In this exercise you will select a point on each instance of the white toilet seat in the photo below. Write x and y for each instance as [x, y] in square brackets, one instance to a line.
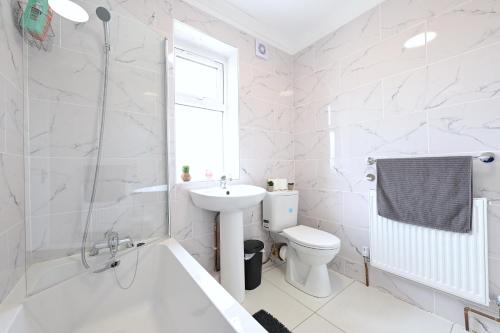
[312, 238]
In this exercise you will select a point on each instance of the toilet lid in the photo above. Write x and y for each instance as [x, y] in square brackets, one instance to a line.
[311, 237]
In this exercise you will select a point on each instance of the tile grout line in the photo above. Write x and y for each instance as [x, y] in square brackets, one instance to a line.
[309, 316]
[343, 290]
[313, 312]
[334, 297]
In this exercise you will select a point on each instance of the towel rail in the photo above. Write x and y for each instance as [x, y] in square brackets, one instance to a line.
[484, 157]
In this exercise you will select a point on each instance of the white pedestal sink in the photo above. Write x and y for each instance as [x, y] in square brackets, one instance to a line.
[230, 202]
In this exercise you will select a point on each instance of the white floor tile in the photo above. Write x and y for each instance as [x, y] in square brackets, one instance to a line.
[282, 306]
[271, 265]
[316, 324]
[277, 277]
[359, 309]
[458, 329]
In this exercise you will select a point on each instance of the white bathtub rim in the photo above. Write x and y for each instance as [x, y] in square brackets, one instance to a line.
[239, 319]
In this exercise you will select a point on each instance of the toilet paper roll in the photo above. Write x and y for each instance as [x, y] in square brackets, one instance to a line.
[282, 252]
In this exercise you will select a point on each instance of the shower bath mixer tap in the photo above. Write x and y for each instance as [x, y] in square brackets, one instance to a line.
[112, 242]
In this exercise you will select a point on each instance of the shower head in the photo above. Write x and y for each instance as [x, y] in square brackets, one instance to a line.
[103, 14]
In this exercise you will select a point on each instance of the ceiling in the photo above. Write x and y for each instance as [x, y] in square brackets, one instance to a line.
[290, 25]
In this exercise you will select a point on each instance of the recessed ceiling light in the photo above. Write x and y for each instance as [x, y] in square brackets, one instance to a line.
[69, 10]
[420, 39]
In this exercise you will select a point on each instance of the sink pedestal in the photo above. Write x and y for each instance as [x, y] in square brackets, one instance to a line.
[230, 202]
[232, 269]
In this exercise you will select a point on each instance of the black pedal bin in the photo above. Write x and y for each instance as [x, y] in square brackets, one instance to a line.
[253, 263]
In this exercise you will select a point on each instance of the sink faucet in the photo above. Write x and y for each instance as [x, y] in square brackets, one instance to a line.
[111, 241]
[223, 181]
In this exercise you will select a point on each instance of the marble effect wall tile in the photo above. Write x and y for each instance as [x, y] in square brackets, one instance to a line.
[355, 106]
[12, 186]
[466, 27]
[13, 119]
[74, 78]
[11, 191]
[406, 290]
[355, 209]
[138, 46]
[11, 66]
[202, 249]
[468, 77]
[284, 169]
[12, 230]
[405, 93]
[147, 141]
[314, 145]
[132, 42]
[255, 172]
[306, 174]
[397, 102]
[357, 35]
[156, 14]
[304, 117]
[383, 59]
[256, 144]
[52, 133]
[318, 87]
[3, 114]
[465, 128]
[270, 86]
[321, 204]
[60, 185]
[388, 137]
[303, 63]
[283, 118]
[257, 113]
[398, 15]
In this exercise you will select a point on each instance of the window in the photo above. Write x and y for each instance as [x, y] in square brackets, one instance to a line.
[199, 81]
[206, 108]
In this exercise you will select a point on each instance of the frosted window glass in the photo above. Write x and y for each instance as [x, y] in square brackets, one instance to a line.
[197, 79]
[199, 141]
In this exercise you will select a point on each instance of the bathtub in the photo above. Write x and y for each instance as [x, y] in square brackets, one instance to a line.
[171, 293]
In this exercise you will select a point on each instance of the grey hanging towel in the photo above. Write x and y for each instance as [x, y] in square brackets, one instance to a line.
[432, 192]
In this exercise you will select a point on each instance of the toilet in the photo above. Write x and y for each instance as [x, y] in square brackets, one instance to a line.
[308, 251]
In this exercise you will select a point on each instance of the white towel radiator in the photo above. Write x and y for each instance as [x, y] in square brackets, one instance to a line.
[451, 262]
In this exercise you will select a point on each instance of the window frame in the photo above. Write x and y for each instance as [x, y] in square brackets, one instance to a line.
[208, 60]
[228, 67]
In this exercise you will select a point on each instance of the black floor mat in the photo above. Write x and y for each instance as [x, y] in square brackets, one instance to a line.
[271, 324]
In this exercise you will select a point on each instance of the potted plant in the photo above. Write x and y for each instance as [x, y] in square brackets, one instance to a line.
[270, 186]
[185, 173]
[291, 186]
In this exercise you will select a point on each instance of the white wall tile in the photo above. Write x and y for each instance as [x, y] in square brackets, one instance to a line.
[465, 128]
[357, 35]
[405, 93]
[469, 26]
[383, 59]
[468, 77]
[398, 15]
